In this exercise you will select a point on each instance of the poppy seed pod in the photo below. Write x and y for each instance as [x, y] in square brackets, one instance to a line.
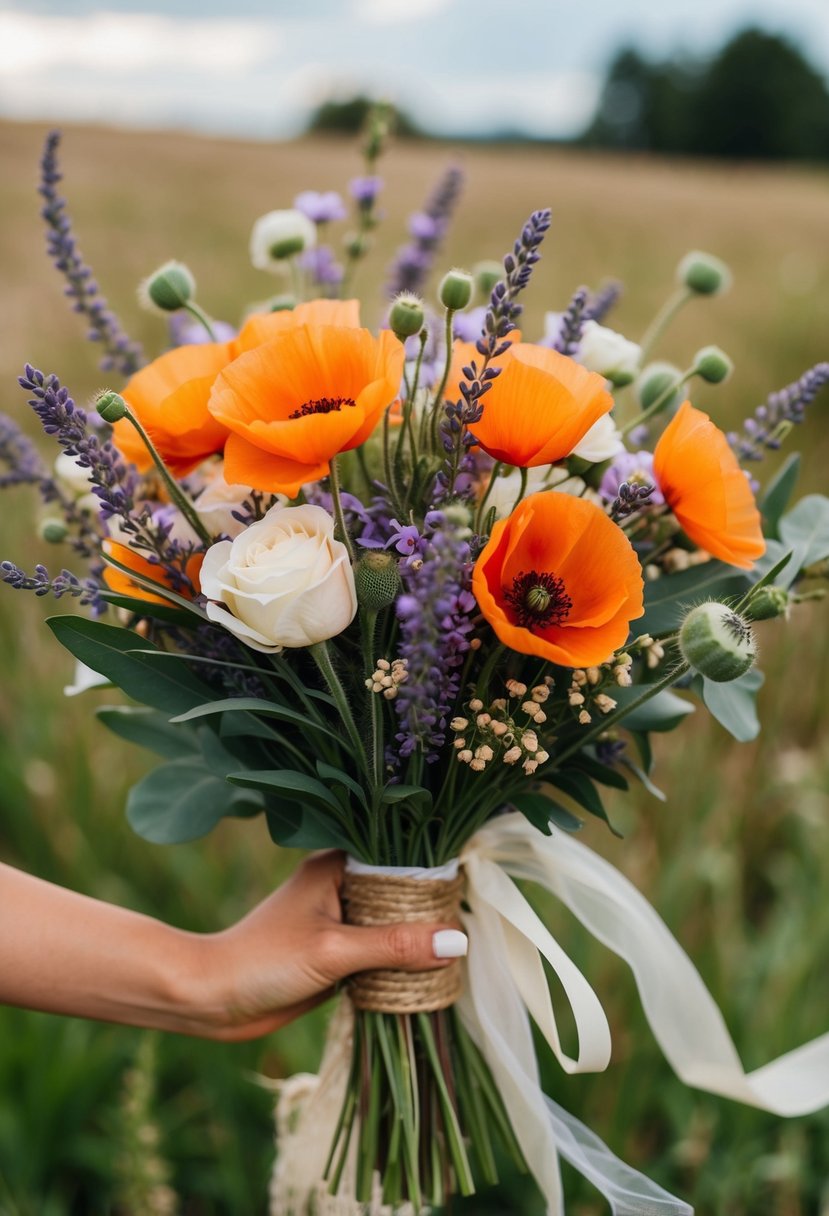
[717, 642]
[111, 406]
[768, 602]
[406, 316]
[169, 288]
[377, 580]
[712, 365]
[704, 274]
[455, 290]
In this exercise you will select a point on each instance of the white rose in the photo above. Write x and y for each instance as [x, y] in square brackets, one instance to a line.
[601, 442]
[284, 581]
[603, 350]
[73, 475]
[279, 235]
[217, 502]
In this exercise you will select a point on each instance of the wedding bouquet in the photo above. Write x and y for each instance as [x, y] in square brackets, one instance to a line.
[418, 594]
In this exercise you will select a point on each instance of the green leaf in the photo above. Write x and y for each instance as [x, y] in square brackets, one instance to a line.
[602, 773]
[290, 782]
[769, 569]
[542, 811]
[642, 776]
[256, 705]
[335, 776]
[668, 599]
[123, 657]
[643, 746]
[734, 704]
[295, 826]
[406, 793]
[149, 728]
[662, 712]
[805, 530]
[778, 493]
[158, 612]
[581, 789]
[182, 801]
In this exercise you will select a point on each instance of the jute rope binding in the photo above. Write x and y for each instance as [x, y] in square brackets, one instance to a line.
[380, 899]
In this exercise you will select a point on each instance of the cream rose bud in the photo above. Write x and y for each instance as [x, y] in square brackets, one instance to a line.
[601, 442]
[603, 350]
[280, 235]
[284, 581]
[217, 502]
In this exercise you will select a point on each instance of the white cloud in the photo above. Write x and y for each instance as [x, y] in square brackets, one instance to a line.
[130, 43]
[395, 12]
[543, 104]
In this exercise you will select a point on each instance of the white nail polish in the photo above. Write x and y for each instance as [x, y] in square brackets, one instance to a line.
[450, 943]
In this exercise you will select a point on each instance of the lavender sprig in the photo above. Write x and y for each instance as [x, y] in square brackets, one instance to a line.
[631, 497]
[65, 583]
[435, 613]
[763, 431]
[121, 354]
[427, 229]
[571, 330]
[19, 455]
[602, 301]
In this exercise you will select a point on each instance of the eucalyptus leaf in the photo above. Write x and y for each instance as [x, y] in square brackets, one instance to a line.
[257, 705]
[734, 704]
[125, 658]
[668, 599]
[542, 811]
[581, 789]
[183, 801]
[151, 729]
[805, 530]
[290, 782]
[602, 773]
[662, 712]
[642, 776]
[778, 494]
[303, 827]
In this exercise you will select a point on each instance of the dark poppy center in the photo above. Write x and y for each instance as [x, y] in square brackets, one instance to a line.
[323, 405]
[538, 599]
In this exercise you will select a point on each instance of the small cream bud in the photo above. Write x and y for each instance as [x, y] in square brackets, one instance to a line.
[514, 754]
[458, 724]
[476, 704]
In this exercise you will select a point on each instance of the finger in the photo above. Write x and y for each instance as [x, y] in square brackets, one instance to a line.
[400, 947]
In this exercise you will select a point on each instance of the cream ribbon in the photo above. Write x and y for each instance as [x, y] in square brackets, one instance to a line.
[506, 986]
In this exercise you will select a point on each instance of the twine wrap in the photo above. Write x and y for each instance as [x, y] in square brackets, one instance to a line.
[372, 898]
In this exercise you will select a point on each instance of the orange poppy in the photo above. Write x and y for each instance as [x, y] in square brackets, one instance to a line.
[539, 407]
[122, 584]
[170, 395]
[560, 580]
[703, 484]
[169, 398]
[293, 403]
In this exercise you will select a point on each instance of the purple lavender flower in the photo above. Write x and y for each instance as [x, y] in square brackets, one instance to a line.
[322, 266]
[364, 190]
[435, 614]
[19, 455]
[321, 208]
[427, 228]
[64, 583]
[632, 469]
[120, 353]
[184, 331]
[760, 432]
[571, 327]
[468, 326]
[600, 302]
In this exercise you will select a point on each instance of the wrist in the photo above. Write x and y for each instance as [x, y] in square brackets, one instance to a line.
[195, 984]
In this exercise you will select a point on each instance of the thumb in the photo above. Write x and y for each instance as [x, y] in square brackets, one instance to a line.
[409, 946]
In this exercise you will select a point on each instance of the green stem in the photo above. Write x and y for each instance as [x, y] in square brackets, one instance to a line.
[659, 403]
[494, 474]
[455, 1145]
[437, 401]
[611, 720]
[334, 483]
[320, 655]
[368, 623]
[202, 317]
[523, 489]
[177, 496]
[663, 319]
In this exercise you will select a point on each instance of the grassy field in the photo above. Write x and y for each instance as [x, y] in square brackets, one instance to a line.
[737, 860]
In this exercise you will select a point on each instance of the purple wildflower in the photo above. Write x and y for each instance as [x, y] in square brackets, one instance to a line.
[65, 583]
[19, 455]
[427, 228]
[184, 331]
[600, 302]
[761, 432]
[120, 353]
[631, 469]
[571, 327]
[468, 326]
[322, 266]
[435, 614]
[364, 190]
[321, 208]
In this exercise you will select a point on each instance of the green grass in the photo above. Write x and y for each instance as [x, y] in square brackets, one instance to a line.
[737, 860]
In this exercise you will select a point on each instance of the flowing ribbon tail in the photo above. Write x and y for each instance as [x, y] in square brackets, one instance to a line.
[681, 1011]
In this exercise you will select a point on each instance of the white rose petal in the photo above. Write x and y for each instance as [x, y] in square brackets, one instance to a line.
[601, 442]
[72, 475]
[603, 350]
[217, 502]
[284, 581]
[277, 228]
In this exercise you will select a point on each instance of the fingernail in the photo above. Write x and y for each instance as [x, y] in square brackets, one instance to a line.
[449, 943]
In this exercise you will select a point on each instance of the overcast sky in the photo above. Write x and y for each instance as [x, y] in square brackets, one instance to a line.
[256, 67]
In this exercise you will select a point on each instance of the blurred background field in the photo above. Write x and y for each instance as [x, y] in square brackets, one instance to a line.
[736, 860]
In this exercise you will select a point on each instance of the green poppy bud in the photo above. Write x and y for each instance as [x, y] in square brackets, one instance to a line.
[168, 288]
[406, 315]
[768, 602]
[487, 274]
[110, 405]
[704, 274]
[655, 380]
[717, 642]
[377, 580]
[455, 291]
[712, 364]
[53, 531]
